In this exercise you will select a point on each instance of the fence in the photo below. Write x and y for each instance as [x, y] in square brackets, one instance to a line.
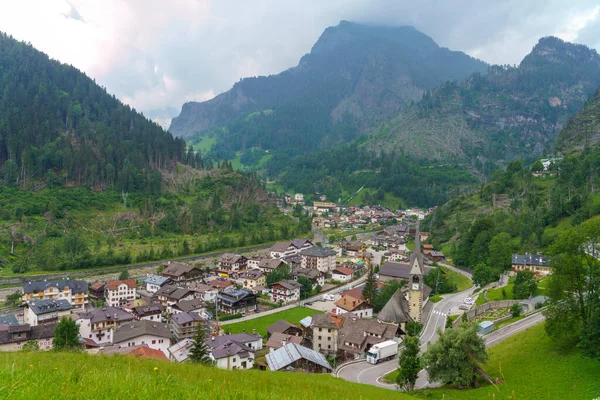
[493, 305]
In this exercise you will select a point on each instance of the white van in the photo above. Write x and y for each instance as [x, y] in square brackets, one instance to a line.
[329, 297]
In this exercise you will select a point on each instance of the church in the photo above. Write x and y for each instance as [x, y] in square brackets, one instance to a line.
[408, 302]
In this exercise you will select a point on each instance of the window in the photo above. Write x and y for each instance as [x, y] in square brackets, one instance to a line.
[160, 341]
[329, 346]
[154, 342]
[319, 337]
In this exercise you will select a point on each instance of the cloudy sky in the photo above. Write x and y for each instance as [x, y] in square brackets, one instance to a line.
[157, 54]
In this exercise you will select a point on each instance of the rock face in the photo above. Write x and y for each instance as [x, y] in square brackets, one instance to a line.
[508, 113]
[583, 130]
[356, 76]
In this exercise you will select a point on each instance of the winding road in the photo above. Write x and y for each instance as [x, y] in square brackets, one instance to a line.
[363, 372]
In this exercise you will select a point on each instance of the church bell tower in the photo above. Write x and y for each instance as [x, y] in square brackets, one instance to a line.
[415, 292]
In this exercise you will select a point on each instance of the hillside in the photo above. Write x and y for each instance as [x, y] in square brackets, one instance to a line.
[355, 77]
[508, 113]
[58, 127]
[583, 130]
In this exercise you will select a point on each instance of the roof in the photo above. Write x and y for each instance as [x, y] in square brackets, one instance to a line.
[317, 251]
[293, 352]
[428, 246]
[277, 338]
[142, 327]
[44, 331]
[280, 247]
[280, 326]
[356, 293]
[176, 269]
[46, 306]
[9, 319]
[180, 350]
[310, 273]
[106, 314]
[327, 321]
[529, 259]
[343, 271]
[220, 284]
[200, 287]
[114, 285]
[39, 286]
[395, 310]
[235, 295]
[173, 292]
[149, 309]
[270, 263]
[298, 243]
[216, 341]
[398, 270]
[486, 324]
[288, 284]
[306, 322]
[189, 305]
[156, 280]
[251, 274]
[350, 303]
[231, 258]
[97, 286]
[185, 317]
[437, 254]
[230, 348]
[363, 332]
[140, 351]
[293, 259]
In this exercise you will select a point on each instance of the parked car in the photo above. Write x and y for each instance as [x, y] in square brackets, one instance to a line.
[329, 297]
[464, 307]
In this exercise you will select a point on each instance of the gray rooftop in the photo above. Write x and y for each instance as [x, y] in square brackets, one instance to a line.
[293, 352]
[398, 270]
[288, 284]
[44, 331]
[172, 292]
[185, 317]
[47, 306]
[251, 274]
[529, 259]
[317, 251]
[136, 328]
[76, 286]
[156, 280]
[106, 314]
[8, 319]
[189, 305]
[395, 310]
[244, 338]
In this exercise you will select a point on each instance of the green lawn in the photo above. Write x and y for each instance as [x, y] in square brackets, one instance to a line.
[51, 375]
[435, 298]
[391, 377]
[205, 144]
[293, 315]
[532, 369]
[410, 245]
[496, 294]
[461, 281]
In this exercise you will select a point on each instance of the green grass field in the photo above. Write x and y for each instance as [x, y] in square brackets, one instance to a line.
[293, 315]
[205, 144]
[50, 375]
[532, 369]
[461, 281]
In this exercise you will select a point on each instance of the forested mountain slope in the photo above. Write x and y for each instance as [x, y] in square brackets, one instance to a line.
[59, 126]
[583, 130]
[355, 77]
[508, 113]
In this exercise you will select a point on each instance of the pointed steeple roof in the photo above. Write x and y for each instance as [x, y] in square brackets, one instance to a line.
[416, 257]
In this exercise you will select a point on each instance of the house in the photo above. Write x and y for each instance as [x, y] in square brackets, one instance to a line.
[182, 274]
[74, 291]
[323, 207]
[293, 357]
[396, 271]
[318, 258]
[278, 340]
[253, 278]
[47, 311]
[537, 264]
[316, 277]
[13, 337]
[220, 284]
[427, 249]
[285, 327]
[293, 261]
[285, 291]
[342, 274]
[352, 248]
[9, 319]
[234, 351]
[99, 324]
[153, 283]
[270, 265]
[180, 351]
[326, 329]
[97, 291]
[436, 256]
[356, 306]
[254, 259]
[192, 305]
[150, 312]
[234, 301]
[358, 335]
[155, 335]
[232, 262]
[171, 294]
[118, 293]
[395, 255]
[185, 325]
[285, 249]
[204, 292]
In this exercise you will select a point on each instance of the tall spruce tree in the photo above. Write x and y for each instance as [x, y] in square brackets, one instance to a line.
[199, 353]
[370, 289]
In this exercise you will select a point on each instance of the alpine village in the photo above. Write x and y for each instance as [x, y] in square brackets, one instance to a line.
[388, 219]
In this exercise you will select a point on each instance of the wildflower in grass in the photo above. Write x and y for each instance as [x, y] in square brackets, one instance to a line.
[156, 368]
[31, 365]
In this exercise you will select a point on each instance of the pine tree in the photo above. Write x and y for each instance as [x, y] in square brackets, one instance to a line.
[409, 363]
[199, 353]
[370, 289]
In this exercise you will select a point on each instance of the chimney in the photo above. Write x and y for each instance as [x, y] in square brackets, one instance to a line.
[213, 338]
[283, 342]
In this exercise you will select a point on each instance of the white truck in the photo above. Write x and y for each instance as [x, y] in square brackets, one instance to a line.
[382, 351]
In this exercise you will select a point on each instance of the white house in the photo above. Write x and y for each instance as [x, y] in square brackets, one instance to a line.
[38, 312]
[74, 291]
[285, 291]
[155, 335]
[99, 325]
[154, 282]
[342, 274]
[318, 258]
[234, 351]
[118, 293]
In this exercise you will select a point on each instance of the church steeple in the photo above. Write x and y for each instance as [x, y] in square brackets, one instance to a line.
[415, 295]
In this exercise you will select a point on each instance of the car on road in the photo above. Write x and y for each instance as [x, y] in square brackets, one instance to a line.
[328, 297]
[469, 300]
[308, 303]
[465, 307]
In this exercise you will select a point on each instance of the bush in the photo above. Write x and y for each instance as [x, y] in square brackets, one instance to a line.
[516, 310]
[229, 317]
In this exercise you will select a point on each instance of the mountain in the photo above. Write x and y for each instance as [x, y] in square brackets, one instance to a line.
[355, 77]
[583, 130]
[57, 126]
[508, 113]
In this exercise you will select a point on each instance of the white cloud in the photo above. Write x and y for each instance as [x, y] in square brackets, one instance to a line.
[155, 54]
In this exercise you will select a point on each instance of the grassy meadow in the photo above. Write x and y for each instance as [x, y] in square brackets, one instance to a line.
[292, 315]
